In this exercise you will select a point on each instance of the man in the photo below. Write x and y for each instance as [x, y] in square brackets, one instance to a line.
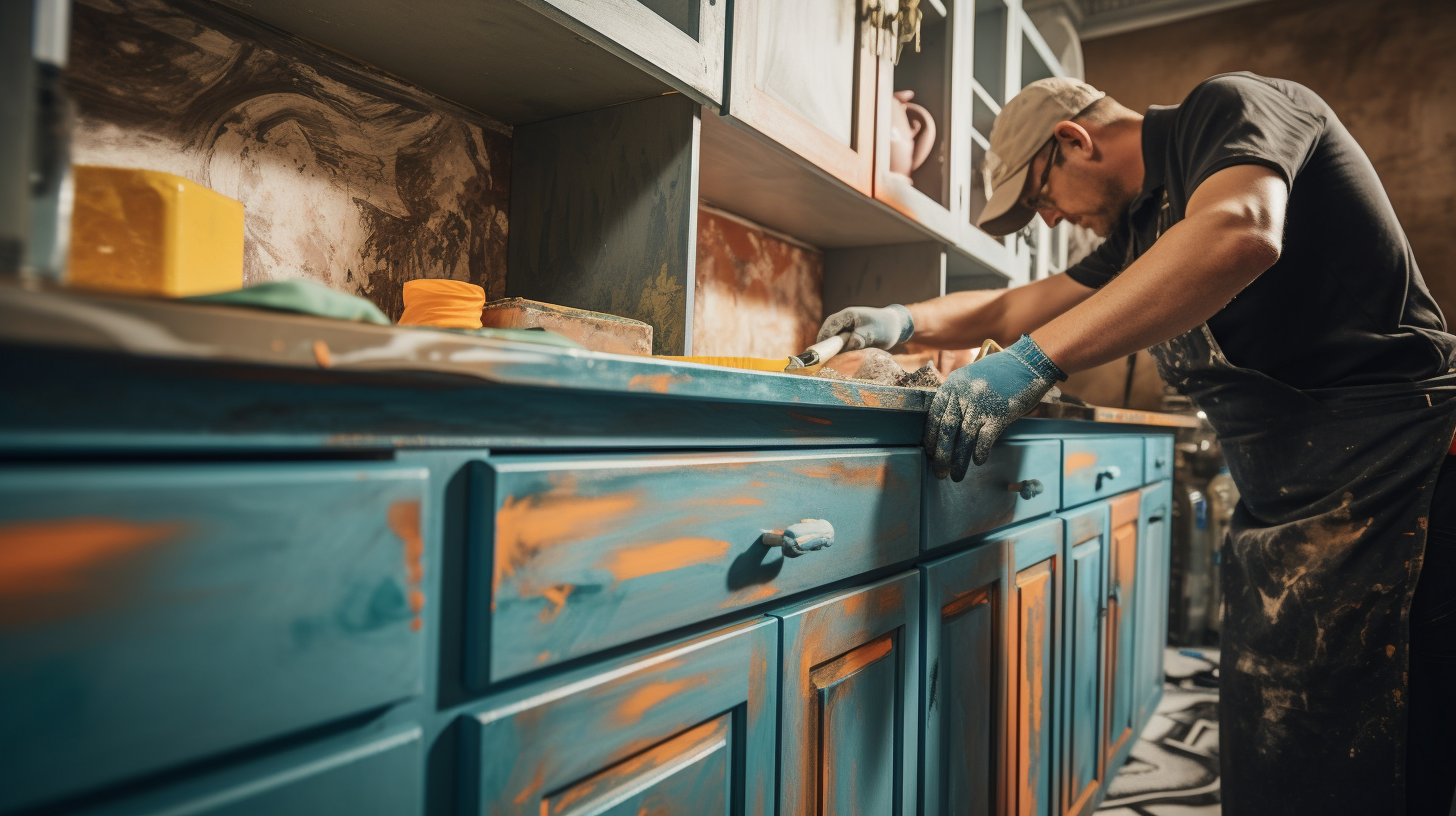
[1251, 245]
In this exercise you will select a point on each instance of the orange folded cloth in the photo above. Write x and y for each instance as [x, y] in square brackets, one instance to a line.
[447, 304]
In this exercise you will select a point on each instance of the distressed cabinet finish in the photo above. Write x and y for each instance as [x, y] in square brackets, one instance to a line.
[577, 554]
[156, 615]
[1158, 458]
[1097, 467]
[847, 739]
[803, 74]
[1155, 536]
[1034, 670]
[1020, 480]
[1081, 713]
[1120, 716]
[685, 729]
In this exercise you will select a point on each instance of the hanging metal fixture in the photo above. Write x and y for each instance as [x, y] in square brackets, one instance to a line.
[894, 23]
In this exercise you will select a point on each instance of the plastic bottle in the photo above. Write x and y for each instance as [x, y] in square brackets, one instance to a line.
[1223, 497]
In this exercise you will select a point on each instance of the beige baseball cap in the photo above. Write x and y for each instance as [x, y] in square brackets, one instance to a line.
[1023, 128]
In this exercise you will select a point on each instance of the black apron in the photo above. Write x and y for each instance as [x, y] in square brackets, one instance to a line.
[1321, 561]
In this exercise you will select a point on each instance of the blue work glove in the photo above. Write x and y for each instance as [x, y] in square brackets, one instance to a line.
[869, 327]
[976, 403]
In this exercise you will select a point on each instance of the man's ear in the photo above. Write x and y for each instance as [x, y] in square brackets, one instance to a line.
[1075, 139]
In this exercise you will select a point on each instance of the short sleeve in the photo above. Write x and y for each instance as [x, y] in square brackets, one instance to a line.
[1235, 119]
[1103, 263]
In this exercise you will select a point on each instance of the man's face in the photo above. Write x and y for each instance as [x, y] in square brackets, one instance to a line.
[1082, 192]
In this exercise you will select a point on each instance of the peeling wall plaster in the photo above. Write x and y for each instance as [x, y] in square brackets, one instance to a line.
[348, 177]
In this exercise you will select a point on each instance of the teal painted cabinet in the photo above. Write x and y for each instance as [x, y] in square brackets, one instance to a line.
[152, 616]
[685, 729]
[1097, 467]
[1034, 668]
[1155, 505]
[1120, 722]
[1020, 480]
[849, 684]
[1082, 706]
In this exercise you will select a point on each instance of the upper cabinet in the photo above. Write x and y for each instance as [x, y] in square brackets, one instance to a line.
[804, 75]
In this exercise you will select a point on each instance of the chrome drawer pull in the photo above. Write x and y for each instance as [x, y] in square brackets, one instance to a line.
[1029, 489]
[806, 536]
[1111, 473]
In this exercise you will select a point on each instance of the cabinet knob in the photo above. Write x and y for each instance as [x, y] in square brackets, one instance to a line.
[806, 536]
[1110, 474]
[1029, 489]
[1160, 462]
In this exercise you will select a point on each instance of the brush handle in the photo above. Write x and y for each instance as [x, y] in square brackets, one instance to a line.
[822, 350]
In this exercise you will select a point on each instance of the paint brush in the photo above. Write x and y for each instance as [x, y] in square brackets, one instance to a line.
[818, 353]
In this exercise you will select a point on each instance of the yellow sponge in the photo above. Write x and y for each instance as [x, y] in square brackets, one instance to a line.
[153, 233]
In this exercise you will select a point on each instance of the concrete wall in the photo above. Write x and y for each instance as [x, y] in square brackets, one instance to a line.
[1385, 66]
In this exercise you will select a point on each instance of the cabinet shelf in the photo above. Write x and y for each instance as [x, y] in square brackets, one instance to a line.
[522, 61]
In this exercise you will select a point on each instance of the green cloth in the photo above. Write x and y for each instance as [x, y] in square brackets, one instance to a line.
[301, 296]
[307, 297]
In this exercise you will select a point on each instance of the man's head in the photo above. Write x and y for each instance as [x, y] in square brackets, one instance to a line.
[1065, 150]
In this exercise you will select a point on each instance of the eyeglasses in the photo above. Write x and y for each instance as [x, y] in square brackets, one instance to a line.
[1040, 200]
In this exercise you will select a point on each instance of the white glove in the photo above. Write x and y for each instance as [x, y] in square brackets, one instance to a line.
[870, 327]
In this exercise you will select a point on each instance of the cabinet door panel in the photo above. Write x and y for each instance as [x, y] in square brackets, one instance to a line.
[850, 660]
[1154, 534]
[1122, 611]
[1082, 703]
[688, 728]
[803, 74]
[1034, 665]
[153, 615]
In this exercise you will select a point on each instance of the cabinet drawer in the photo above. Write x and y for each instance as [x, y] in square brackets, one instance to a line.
[686, 729]
[1158, 458]
[577, 554]
[1094, 467]
[1019, 481]
[154, 615]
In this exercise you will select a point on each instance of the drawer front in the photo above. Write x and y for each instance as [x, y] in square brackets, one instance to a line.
[381, 778]
[1019, 481]
[579, 554]
[1158, 458]
[155, 615]
[686, 729]
[1099, 466]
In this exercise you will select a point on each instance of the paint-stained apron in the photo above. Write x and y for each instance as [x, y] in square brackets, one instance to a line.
[1319, 568]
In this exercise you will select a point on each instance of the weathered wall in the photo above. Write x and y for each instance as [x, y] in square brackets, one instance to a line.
[348, 177]
[1385, 66]
[756, 295]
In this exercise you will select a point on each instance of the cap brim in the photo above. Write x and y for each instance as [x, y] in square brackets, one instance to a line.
[1004, 213]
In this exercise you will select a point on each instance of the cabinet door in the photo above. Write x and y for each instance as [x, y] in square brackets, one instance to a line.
[1122, 611]
[685, 729]
[803, 73]
[1034, 639]
[967, 683]
[1154, 533]
[848, 728]
[1082, 677]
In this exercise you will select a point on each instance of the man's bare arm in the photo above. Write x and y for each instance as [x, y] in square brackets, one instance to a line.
[1231, 233]
[965, 319]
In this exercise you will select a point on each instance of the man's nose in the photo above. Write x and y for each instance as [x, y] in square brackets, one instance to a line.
[1051, 217]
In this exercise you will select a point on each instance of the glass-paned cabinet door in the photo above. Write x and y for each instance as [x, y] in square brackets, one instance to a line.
[803, 73]
[923, 100]
[989, 80]
[1042, 251]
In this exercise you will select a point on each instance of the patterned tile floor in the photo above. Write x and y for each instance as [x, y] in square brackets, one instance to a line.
[1173, 769]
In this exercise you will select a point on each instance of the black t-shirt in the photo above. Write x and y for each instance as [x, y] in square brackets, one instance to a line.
[1345, 304]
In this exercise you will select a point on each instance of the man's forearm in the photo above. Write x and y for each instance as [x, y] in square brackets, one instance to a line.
[1190, 273]
[966, 319]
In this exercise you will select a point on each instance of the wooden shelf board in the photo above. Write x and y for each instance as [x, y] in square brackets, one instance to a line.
[499, 57]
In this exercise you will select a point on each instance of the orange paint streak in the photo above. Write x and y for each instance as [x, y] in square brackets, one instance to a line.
[615, 778]
[656, 383]
[745, 501]
[557, 596]
[666, 556]
[852, 662]
[873, 475]
[43, 557]
[639, 702]
[870, 398]
[322, 355]
[807, 418]
[1078, 461]
[970, 600]
[533, 787]
[526, 526]
[749, 596]
[404, 520]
